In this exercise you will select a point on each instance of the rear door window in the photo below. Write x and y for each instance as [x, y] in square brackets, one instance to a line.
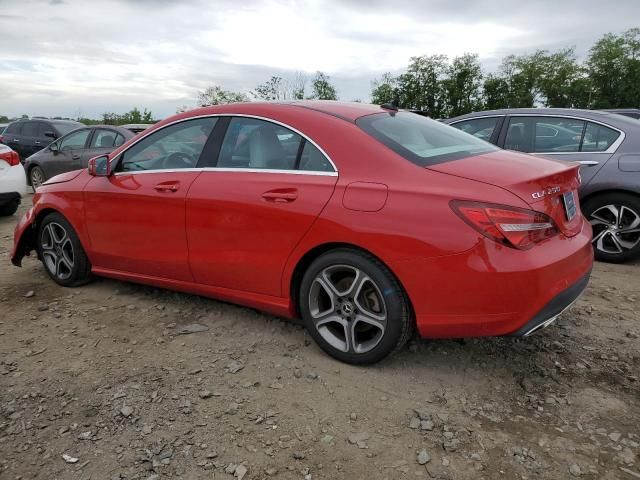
[598, 138]
[544, 134]
[30, 129]
[253, 143]
[104, 138]
[482, 128]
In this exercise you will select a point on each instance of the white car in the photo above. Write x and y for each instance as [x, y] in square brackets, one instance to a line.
[13, 181]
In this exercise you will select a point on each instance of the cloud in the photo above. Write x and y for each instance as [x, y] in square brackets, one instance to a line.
[90, 57]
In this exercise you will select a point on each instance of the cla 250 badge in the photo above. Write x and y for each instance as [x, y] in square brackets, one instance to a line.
[545, 192]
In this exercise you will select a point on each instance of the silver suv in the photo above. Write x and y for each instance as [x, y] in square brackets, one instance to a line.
[607, 146]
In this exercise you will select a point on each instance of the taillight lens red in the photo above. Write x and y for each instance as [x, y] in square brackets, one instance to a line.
[12, 158]
[515, 227]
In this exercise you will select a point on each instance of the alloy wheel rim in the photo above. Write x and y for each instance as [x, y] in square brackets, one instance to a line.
[616, 228]
[36, 177]
[347, 309]
[57, 250]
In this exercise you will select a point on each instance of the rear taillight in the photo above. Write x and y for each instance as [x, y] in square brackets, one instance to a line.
[1, 139]
[12, 158]
[515, 227]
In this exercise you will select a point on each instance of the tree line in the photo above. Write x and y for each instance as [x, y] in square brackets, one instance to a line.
[608, 78]
[445, 87]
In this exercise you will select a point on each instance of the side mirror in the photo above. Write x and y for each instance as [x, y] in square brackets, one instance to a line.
[99, 166]
[54, 148]
[50, 134]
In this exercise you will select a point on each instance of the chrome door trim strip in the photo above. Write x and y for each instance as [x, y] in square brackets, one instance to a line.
[239, 170]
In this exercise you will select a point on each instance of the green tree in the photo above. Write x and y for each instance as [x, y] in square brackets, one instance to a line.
[321, 88]
[614, 69]
[495, 92]
[274, 89]
[421, 88]
[462, 85]
[215, 95]
[562, 82]
[384, 89]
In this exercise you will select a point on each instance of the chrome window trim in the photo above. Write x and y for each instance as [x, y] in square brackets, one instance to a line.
[256, 170]
[474, 118]
[225, 169]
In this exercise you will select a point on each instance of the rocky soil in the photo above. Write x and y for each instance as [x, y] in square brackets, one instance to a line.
[119, 381]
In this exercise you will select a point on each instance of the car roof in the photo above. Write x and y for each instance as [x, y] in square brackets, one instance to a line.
[598, 115]
[349, 111]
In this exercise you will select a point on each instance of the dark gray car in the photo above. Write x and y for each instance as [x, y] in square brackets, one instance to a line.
[73, 151]
[607, 146]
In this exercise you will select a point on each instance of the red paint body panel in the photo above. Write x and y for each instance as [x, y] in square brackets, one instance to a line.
[240, 240]
[218, 235]
[135, 228]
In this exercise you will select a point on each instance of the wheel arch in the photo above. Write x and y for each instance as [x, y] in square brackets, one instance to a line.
[307, 259]
[610, 191]
[28, 240]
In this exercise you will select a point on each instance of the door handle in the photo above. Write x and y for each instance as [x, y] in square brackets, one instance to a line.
[588, 163]
[75, 157]
[38, 142]
[167, 187]
[285, 195]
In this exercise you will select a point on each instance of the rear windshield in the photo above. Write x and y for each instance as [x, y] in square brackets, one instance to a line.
[66, 127]
[421, 140]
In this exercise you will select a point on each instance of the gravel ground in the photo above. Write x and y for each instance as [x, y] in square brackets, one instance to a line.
[119, 381]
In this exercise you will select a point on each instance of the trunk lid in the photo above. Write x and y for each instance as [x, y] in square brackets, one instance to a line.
[548, 186]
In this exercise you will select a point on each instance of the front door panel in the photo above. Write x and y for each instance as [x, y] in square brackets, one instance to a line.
[136, 222]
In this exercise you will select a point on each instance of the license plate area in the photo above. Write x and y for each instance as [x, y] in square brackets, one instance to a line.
[570, 207]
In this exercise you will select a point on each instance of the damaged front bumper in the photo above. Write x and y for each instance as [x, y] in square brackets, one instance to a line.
[24, 238]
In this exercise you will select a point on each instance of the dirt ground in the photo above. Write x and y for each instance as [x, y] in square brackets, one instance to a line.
[106, 382]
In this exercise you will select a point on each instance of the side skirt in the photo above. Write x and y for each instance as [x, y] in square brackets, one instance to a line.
[281, 307]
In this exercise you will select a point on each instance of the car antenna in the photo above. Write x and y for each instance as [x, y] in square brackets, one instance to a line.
[392, 105]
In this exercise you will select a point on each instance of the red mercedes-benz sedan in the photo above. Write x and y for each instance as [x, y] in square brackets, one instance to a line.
[364, 221]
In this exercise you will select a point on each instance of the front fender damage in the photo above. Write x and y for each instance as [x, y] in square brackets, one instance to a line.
[24, 238]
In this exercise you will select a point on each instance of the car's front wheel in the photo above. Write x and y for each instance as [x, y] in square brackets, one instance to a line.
[36, 177]
[354, 307]
[615, 218]
[61, 253]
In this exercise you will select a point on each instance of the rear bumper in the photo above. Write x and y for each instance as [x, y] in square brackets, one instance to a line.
[492, 290]
[13, 181]
[554, 308]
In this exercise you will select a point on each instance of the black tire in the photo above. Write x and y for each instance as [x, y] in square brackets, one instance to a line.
[398, 323]
[68, 274]
[36, 177]
[605, 250]
[9, 209]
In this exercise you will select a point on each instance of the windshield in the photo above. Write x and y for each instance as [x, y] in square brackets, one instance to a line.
[66, 127]
[421, 140]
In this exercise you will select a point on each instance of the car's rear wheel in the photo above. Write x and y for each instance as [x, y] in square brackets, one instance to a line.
[36, 177]
[59, 249]
[354, 307]
[615, 218]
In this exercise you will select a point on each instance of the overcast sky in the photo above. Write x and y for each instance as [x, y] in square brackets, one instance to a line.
[71, 57]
